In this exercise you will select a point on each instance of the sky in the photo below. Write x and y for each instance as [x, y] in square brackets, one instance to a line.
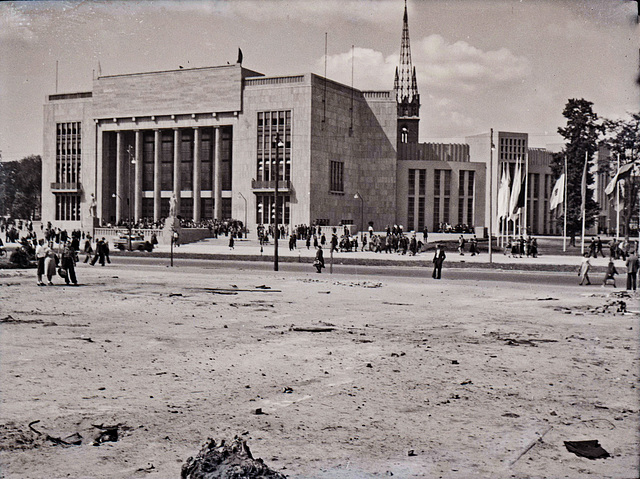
[510, 65]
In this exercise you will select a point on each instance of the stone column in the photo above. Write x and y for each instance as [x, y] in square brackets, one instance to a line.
[99, 176]
[156, 175]
[137, 205]
[196, 175]
[217, 178]
[176, 167]
[119, 177]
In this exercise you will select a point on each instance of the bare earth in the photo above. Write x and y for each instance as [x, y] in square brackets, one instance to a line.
[351, 374]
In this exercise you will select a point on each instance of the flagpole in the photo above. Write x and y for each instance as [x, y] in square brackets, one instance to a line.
[564, 229]
[526, 191]
[491, 148]
[584, 200]
[618, 204]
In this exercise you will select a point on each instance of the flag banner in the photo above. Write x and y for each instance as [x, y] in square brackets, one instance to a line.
[557, 195]
[515, 192]
[503, 194]
[622, 173]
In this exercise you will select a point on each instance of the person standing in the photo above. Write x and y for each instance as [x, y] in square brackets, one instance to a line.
[632, 270]
[318, 263]
[438, 260]
[69, 263]
[49, 263]
[584, 270]
[231, 241]
[41, 254]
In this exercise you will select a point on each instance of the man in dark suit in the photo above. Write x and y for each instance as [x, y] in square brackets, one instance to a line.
[438, 259]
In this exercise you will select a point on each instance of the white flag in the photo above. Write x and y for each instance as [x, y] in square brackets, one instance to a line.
[503, 194]
[515, 193]
[557, 195]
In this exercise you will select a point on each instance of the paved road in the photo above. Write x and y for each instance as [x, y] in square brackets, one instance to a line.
[371, 272]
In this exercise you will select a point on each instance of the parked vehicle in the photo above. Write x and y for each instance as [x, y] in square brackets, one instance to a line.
[138, 243]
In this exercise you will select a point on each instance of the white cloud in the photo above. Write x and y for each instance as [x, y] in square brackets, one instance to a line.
[460, 66]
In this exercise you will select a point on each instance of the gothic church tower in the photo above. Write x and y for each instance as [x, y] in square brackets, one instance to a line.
[406, 88]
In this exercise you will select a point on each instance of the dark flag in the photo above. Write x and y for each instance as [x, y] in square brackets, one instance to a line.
[239, 56]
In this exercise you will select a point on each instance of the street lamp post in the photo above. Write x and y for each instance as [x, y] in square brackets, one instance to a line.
[132, 161]
[358, 196]
[278, 144]
[245, 213]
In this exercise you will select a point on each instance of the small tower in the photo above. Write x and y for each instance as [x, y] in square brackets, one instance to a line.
[406, 88]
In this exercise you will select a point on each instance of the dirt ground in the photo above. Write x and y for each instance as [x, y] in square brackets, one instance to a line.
[323, 376]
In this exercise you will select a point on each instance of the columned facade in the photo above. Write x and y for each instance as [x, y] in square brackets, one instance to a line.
[142, 168]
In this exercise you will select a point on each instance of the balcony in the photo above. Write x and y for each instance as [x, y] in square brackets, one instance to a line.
[75, 187]
[269, 186]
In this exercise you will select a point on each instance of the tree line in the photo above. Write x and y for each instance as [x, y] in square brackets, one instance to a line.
[584, 134]
[21, 188]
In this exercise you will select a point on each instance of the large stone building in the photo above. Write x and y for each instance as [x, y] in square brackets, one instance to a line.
[208, 136]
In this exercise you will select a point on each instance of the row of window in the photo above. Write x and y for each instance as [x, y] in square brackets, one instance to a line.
[273, 125]
[266, 210]
[68, 152]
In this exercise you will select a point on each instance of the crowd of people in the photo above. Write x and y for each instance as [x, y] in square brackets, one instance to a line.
[56, 252]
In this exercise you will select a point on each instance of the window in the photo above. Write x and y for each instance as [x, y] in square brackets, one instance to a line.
[336, 177]
[417, 180]
[270, 125]
[68, 207]
[441, 197]
[68, 152]
[265, 210]
[466, 180]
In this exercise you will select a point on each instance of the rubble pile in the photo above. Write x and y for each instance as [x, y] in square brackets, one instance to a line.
[227, 461]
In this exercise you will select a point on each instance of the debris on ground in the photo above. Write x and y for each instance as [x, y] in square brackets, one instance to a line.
[312, 329]
[11, 320]
[227, 461]
[74, 439]
[589, 449]
[107, 434]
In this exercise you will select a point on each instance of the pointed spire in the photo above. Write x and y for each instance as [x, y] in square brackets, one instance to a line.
[406, 86]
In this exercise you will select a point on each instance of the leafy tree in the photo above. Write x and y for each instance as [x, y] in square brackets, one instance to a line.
[581, 134]
[622, 138]
[21, 187]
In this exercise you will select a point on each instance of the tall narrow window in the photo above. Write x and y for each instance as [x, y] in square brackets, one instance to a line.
[68, 170]
[336, 177]
[270, 125]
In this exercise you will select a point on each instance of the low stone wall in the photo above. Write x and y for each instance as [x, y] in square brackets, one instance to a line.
[186, 235]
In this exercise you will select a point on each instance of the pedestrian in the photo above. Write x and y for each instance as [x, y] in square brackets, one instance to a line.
[41, 254]
[69, 263]
[50, 263]
[88, 249]
[231, 242]
[584, 270]
[632, 270]
[438, 260]
[473, 247]
[610, 274]
[461, 242]
[318, 262]
[599, 247]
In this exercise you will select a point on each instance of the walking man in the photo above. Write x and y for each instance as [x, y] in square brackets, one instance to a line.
[584, 270]
[438, 259]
